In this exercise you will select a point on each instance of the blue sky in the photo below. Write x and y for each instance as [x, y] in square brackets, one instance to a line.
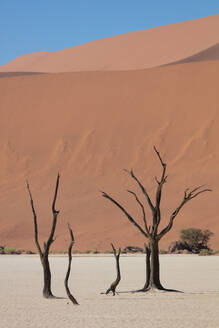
[35, 25]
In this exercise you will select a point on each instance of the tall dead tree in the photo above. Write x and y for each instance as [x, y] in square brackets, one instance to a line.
[113, 286]
[70, 296]
[44, 252]
[151, 232]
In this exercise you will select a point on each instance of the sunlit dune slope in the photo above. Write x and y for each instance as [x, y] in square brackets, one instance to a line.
[92, 125]
[130, 51]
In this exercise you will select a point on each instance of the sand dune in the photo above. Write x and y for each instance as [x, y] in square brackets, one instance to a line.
[91, 125]
[211, 53]
[10, 74]
[131, 51]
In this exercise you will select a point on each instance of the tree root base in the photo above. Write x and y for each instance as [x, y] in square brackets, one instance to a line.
[156, 289]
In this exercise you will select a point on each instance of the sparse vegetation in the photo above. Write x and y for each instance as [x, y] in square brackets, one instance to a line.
[163, 251]
[76, 251]
[204, 252]
[107, 251]
[88, 251]
[192, 240]
[195, 239]
[14, 251]
[10, 251]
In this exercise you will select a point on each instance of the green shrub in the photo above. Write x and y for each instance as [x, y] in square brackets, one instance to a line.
[163, 251]
[12, 251]
[204, 252]
[88, 251]
[75, 251]
[185, 251]
[96, 251]
[195, 239]
[28, 252]
[107, 252]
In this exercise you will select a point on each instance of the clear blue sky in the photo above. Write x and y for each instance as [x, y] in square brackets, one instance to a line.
[35, 25]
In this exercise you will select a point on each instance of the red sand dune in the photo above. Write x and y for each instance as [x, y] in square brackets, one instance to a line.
[131, 51]
[91, 125]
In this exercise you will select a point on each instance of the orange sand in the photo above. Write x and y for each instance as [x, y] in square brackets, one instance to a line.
[91, 125]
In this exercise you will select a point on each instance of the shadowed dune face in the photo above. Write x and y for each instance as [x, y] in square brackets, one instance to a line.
[13, 74]
[211, 53]
[131, 51]
[91, 125]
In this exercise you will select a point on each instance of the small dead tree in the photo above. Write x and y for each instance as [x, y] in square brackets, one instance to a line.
[113, 286]
[70, 296]
[44, 252]
[151, 232]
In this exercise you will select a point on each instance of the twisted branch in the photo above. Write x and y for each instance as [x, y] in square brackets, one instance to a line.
[143, 211]
[34, 220]
[188, 195]
[55, 215]
[113, 286]
[104, 194]
[131, 173]
[72, 241]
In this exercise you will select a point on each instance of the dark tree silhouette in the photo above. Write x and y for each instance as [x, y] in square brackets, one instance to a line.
[148, 267]
[151, 232]
[44, 252]
[113, 286]
[70, 296]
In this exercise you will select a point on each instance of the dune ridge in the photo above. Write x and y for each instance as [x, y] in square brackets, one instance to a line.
[136, 50]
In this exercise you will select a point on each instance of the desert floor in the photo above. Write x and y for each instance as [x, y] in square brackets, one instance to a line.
[21, 303]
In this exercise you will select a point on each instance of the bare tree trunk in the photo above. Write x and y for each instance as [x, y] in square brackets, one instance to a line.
[44, 253]
[70, 296]
[154, 282]
[47, 293]
[148, 267]
[113, 286]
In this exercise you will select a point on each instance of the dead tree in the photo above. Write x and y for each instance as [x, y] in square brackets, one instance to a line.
[113, 286]
[151, 232]
[70, 296]
[148, 267]
[44, 252]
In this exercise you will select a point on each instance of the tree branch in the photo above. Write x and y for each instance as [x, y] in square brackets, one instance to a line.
[143, 211]
[188, 195]
[34, 220]
[72, 241]
[159, 191]
[55, 215]
[131, 173]
[104, 194]
[113, 286]
[55, 195]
